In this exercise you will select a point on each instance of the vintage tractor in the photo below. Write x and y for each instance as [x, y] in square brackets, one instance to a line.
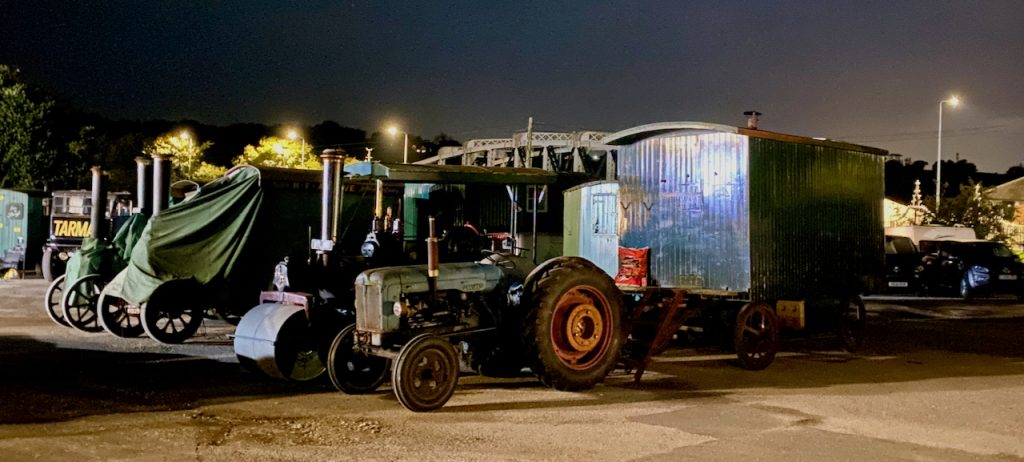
[562, 319]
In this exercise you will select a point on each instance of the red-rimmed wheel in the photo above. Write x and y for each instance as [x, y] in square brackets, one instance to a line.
[573, 329]
[756, 336]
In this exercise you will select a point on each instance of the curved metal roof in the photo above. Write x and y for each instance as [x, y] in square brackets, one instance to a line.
[638, 133]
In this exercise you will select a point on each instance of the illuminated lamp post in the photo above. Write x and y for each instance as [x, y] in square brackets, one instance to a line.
[405, 145]
[953, 102]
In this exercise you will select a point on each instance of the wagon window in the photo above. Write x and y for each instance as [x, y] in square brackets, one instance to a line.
[605, 212]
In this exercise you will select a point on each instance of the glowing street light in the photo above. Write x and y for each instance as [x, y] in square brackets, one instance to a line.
[187, 138]
[292, 134]
[953, 102]
[392, 130]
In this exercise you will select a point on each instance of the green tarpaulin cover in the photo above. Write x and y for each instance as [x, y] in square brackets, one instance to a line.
[106, 259]
[199, 239]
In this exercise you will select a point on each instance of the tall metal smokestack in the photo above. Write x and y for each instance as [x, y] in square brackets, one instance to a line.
[161, 182]
[143, 186]
[752, 119]
[97, 220]
[330, 194]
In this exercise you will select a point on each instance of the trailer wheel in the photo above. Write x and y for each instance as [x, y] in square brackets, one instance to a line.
[79, 303]
[171, 315]
[118, 317]
[756, 336]
[354, 372]
[425, 373]
[51, 302]
[573, 330]
[852, 323]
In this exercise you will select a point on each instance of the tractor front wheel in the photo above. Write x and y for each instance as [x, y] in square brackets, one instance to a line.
[354, 372]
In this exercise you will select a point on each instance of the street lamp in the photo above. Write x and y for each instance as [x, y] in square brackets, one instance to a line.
[292, 134]
[186, 138]
[405, 145]
[953, 101]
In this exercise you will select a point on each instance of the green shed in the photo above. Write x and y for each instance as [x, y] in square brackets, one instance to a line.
[22, 223]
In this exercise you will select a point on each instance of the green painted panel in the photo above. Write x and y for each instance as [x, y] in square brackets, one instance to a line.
[815, 220]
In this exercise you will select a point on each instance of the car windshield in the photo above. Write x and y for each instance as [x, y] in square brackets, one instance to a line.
[989, 249]
[898, 245]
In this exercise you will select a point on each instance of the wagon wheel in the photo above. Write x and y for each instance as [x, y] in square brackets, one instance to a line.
[574, 330]
[756, 336]
[425, 373]
[171, 315]
[118, 317]
[51, 302]
[353, 372]
[79, 303]
[852, 323]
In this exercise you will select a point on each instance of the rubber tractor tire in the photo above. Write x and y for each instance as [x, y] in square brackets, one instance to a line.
[573, 328]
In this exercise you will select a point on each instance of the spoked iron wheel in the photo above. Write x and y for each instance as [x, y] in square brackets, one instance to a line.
[852, 324]
[573, 332]
[756, 336]
[79, 303]
[54, 295]
[172, 314]
[425, 373]
[118, 317]
[353, 372]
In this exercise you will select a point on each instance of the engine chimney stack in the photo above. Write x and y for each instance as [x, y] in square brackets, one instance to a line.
[752, 119]
[433, 261]
[143, 198]
[98, 218]
[161, 182]
[330, 200]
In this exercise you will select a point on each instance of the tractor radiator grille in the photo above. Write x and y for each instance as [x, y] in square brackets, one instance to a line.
[369, 316]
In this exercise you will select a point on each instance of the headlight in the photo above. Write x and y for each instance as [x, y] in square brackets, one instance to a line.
[368, 249]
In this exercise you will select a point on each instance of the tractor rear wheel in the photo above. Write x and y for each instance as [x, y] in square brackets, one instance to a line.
[756, 336]
[573, 330]
[353, 372]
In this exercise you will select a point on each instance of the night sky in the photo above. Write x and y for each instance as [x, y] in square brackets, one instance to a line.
[866, 72]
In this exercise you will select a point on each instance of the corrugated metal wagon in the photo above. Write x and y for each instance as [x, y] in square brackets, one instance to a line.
[732, 227]
[747, 229]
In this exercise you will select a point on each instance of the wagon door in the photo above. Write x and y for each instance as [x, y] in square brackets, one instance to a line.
[592, 226]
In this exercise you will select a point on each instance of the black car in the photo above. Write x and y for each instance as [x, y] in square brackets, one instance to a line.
[969, 268]
[903, 265]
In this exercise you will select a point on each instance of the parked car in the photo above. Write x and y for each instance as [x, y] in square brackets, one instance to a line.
[970, 267]
[903, 265]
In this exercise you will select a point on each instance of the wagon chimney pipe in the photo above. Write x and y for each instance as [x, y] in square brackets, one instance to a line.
[161, 182]
[143, 172]
[433, 263]
[752, 119]
[97, 220]
[330, 193]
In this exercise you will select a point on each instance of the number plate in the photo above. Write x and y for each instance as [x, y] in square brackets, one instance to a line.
[898, 284]
[1007, 277]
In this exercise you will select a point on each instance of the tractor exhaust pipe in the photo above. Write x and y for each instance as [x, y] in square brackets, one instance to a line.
[330, 200]
[143, 172]
[161, 182]
[97, 220]
[433, 261]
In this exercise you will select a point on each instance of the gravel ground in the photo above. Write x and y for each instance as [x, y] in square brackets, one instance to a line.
[938, 380]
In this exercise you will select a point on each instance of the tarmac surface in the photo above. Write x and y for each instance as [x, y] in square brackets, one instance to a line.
[937, 379]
